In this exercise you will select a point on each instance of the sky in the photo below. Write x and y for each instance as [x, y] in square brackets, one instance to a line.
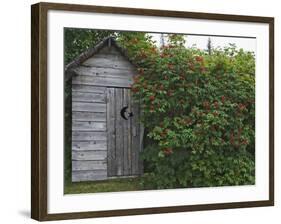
[248, 44]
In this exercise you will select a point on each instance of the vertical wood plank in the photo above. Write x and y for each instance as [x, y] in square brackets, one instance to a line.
[111, 133]
[129, 126]
[125, 136]
[119, 131]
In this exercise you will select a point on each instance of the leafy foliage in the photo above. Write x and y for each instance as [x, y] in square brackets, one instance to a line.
[198, 110]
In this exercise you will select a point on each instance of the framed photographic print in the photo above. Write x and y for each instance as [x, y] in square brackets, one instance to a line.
[138, 111]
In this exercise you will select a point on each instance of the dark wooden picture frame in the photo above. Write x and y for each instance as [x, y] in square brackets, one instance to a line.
[39, 107]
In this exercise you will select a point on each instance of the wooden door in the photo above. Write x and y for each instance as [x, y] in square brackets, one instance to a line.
[123, 136]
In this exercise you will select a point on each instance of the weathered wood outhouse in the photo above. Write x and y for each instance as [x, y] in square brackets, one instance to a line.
[106, 132]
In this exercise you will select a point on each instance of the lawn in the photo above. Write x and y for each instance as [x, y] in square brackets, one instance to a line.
[121, 184]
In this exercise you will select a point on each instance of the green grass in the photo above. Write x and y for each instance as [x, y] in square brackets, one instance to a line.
[121, 184]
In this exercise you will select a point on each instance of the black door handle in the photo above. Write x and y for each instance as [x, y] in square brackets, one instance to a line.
[126, 114]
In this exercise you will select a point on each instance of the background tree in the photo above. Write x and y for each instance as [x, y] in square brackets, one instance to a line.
[209, 46]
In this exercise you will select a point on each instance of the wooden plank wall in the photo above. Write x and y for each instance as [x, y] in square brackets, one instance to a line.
[102, 141]
[123, 136]
[89, 139]
[107, 68]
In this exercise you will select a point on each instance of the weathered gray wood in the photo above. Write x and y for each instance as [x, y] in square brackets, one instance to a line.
[125, 124]
[115, 57]
[89, 165]
[88, 126]
[109, 72]
[88, 88]
[109, 50]
[122, 62]
[88, 116]
[129, 126]
[102, 81]
[111, 133]
[104, 145]
[88, 135]
[89, 155]
[88, 107]
[135, 139]
[89, 175]
[88, 97]
[127, 145]
[119, 131]
[89, 145]
[108, 62]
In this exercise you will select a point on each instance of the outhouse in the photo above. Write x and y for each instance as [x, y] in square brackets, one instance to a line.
[106, 132]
